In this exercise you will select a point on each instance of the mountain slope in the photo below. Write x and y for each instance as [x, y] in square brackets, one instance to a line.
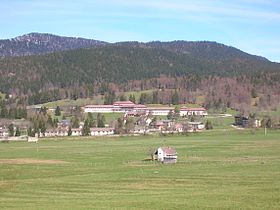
[39, 43]
[118, 64]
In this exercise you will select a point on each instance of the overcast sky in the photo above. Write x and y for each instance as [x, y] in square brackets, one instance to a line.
[250, 25]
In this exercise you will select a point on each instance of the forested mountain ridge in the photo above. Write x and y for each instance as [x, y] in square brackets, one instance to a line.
[205, 49]
[117, 64]
[43, 43]
[133, 65]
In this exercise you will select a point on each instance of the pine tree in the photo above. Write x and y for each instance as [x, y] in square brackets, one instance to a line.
[57, 111]
[69, 131]
[100, 120]
[175, 98]
[11, 130]
[132, 98]
[208, 125]
[86, 129]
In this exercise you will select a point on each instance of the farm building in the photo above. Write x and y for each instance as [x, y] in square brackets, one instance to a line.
[166, 155]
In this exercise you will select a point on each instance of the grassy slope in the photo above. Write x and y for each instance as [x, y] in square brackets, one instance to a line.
[225, 170]
[78, 102]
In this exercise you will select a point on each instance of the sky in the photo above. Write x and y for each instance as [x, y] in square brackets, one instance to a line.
[250, 25]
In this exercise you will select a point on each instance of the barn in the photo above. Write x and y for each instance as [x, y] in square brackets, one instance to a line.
[166, 155]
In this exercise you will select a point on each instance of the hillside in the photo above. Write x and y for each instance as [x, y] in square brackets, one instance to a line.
[39, 43]
[129, 66]
[119, 64]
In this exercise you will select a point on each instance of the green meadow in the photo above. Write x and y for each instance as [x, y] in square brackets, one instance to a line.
[215, 170]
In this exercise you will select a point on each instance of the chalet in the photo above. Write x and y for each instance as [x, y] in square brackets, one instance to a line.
[184, 111]
[101, 131]
[166, 155]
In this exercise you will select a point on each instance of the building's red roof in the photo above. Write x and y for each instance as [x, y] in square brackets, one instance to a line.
[178, 126]
[99, 106]
[161, 108]
[169, 150]
[159, 123]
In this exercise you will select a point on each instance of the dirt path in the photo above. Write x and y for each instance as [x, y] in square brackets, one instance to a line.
[30, 161]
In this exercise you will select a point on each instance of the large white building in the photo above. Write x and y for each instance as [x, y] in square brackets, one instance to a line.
[160, 110]
[99, 108]
[184, 111]
[130, 108]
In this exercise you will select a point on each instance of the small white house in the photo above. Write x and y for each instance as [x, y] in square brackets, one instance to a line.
[166, 155]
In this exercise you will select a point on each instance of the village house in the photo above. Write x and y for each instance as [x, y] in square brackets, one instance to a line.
[242, 121]
[246, 122]
[166, 155]
[178, 127]
[195, 126]
[76, 132]
[101, 131]
[53, 132]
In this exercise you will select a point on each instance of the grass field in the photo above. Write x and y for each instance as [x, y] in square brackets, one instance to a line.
[215, 170]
